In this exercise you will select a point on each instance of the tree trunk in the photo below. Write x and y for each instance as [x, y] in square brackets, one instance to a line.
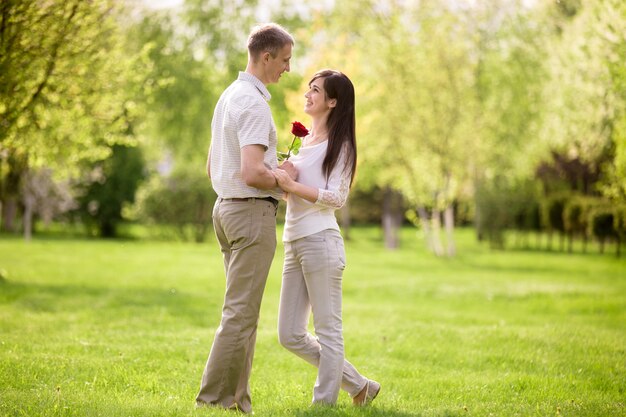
[9, 214]
[29, 207]
[436, 233]
[601, 245]
[390, 226]
[448, 218]
[570, 242]
[478, 227]
[425, 222]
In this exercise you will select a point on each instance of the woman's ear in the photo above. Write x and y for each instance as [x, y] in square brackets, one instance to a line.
[332, 103]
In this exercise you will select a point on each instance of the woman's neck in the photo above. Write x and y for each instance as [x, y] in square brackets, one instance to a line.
[319, 130]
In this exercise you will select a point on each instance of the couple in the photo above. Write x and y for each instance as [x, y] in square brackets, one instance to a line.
[244, 171]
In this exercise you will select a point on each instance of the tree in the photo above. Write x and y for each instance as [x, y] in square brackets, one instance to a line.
[587, 94]
[413, 101]
[45, 197]
[112, 184]
[510, 76]
[60, 103]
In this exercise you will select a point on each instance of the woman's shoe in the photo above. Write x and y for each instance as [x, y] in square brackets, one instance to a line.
[367, 394]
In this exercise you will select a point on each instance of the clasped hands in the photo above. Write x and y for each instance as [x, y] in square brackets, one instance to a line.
[286, 175]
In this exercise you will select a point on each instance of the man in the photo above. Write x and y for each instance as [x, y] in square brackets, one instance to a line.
[241, 158]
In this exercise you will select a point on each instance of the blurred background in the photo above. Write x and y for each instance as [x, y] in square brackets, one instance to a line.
[506, 116]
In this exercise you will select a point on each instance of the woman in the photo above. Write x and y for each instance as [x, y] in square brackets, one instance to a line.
[314, 251]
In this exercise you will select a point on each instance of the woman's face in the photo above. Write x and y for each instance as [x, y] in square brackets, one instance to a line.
[316, 101]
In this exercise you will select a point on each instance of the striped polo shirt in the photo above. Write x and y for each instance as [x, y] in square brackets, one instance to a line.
[242, 117]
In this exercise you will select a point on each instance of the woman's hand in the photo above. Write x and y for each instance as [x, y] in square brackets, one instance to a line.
[284, 180]
[291, 169]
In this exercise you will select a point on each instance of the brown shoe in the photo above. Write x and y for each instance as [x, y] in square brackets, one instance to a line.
[367, 394]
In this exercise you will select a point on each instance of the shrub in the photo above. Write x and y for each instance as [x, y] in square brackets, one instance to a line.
[183, 200]
[111, 184]
[576, 217]
[602, 225]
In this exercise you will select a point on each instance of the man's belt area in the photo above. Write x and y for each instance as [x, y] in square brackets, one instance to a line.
[270, 199]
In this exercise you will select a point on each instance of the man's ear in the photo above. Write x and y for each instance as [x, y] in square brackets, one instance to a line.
[265, 56]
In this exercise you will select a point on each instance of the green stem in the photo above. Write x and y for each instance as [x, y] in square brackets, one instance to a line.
[290, 148]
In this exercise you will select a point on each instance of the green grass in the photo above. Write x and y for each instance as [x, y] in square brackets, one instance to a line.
[123, 328]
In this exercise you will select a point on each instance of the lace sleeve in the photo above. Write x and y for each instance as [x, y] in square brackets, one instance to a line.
[336, 192]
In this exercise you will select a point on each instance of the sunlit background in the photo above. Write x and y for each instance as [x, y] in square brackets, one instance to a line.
[505, 116]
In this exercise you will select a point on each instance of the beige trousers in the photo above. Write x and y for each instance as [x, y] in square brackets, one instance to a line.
[246, 232]
[312, 276]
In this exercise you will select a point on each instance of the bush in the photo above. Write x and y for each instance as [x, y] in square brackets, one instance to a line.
[111, 184]
[619, 223]
[183, 200]
[576, 217]
[602, 225]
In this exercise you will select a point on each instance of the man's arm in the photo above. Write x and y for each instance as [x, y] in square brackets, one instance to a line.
[253, 170]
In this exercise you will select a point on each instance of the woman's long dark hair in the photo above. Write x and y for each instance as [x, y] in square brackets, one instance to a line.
[341, 121]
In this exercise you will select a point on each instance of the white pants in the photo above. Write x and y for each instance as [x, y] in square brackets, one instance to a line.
[312, 281]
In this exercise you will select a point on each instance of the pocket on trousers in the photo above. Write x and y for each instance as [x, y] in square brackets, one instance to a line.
[316, 237]
[341, 252]
[236, 221]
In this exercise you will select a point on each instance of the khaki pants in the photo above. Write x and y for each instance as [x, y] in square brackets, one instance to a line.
[246, 231]
[312, 276]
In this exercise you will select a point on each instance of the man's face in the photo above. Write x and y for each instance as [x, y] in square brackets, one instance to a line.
[276, 66]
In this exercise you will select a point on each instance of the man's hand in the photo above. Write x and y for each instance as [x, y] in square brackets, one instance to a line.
[290, 169]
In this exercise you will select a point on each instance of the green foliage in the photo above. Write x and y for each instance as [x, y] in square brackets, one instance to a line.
[586, 97]
[502, 204]
[112, 184]
[552, 209]
[69, 90]
[109, 328]
[293, 149]
[454, 98]
[576, 213]
[509, 80]
[60, 101]
[183, 91]
[184, 199]
[620, 222]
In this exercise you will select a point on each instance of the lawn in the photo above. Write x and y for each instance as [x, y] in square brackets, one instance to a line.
[123, 328]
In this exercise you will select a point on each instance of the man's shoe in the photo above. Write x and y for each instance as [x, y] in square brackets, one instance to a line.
[367, 394]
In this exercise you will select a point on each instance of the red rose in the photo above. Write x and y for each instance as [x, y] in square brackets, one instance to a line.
[299, 130]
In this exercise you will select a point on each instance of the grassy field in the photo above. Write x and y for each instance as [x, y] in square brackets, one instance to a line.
[123, 328]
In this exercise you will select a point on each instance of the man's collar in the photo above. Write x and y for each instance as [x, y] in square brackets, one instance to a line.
[246, 76]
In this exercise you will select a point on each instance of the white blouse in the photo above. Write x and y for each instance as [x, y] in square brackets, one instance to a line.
[303, 217]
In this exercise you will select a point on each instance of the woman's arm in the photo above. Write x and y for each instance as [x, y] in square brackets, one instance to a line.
[334, 196]
[290, 186]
